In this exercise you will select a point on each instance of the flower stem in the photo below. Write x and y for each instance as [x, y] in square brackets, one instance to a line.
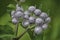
[24, 32]
[16, 29]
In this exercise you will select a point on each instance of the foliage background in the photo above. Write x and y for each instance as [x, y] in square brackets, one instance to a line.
[52, 7]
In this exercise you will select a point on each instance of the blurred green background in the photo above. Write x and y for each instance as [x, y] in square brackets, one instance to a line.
[51, 7]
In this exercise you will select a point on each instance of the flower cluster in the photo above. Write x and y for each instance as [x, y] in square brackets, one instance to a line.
[31, 16]
[16, 14]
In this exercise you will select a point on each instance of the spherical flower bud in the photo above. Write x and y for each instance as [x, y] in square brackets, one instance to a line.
[31, 19]
[43, 15]
[12, 13]
[31, 8]
[18, 14]
[37, 12]
[19, 9]
[37, 30]
[25, 23]
[47, 20]
[14, 20]
[39, 21]
[44, 26]
[26, 16]
[27, 13]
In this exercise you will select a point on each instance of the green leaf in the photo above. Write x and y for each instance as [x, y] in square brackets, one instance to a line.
[3, 6]
[6, 29]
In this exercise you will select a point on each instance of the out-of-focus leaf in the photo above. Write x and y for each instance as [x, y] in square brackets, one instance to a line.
[3, 6]
[11, 6]
[6, 29]
[6, 37]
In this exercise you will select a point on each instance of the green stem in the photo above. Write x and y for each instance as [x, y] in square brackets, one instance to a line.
[16, 29]
[24, 32]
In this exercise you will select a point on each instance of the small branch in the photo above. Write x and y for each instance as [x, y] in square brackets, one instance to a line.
[16, 29]
[24, 33]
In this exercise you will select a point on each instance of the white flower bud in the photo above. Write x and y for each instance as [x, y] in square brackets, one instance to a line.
[26, 16]
[44, 26]
[47, 20]
[31, 8]
[14, 20]
[31, 19]
[43, 15]
[38, 30]
[18, 14]
[19, 9]
[27, 13]
[39, 21]
[25, 23]
[37, 12]
[12, 13]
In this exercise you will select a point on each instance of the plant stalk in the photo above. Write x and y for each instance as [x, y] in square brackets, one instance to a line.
[16, 29]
